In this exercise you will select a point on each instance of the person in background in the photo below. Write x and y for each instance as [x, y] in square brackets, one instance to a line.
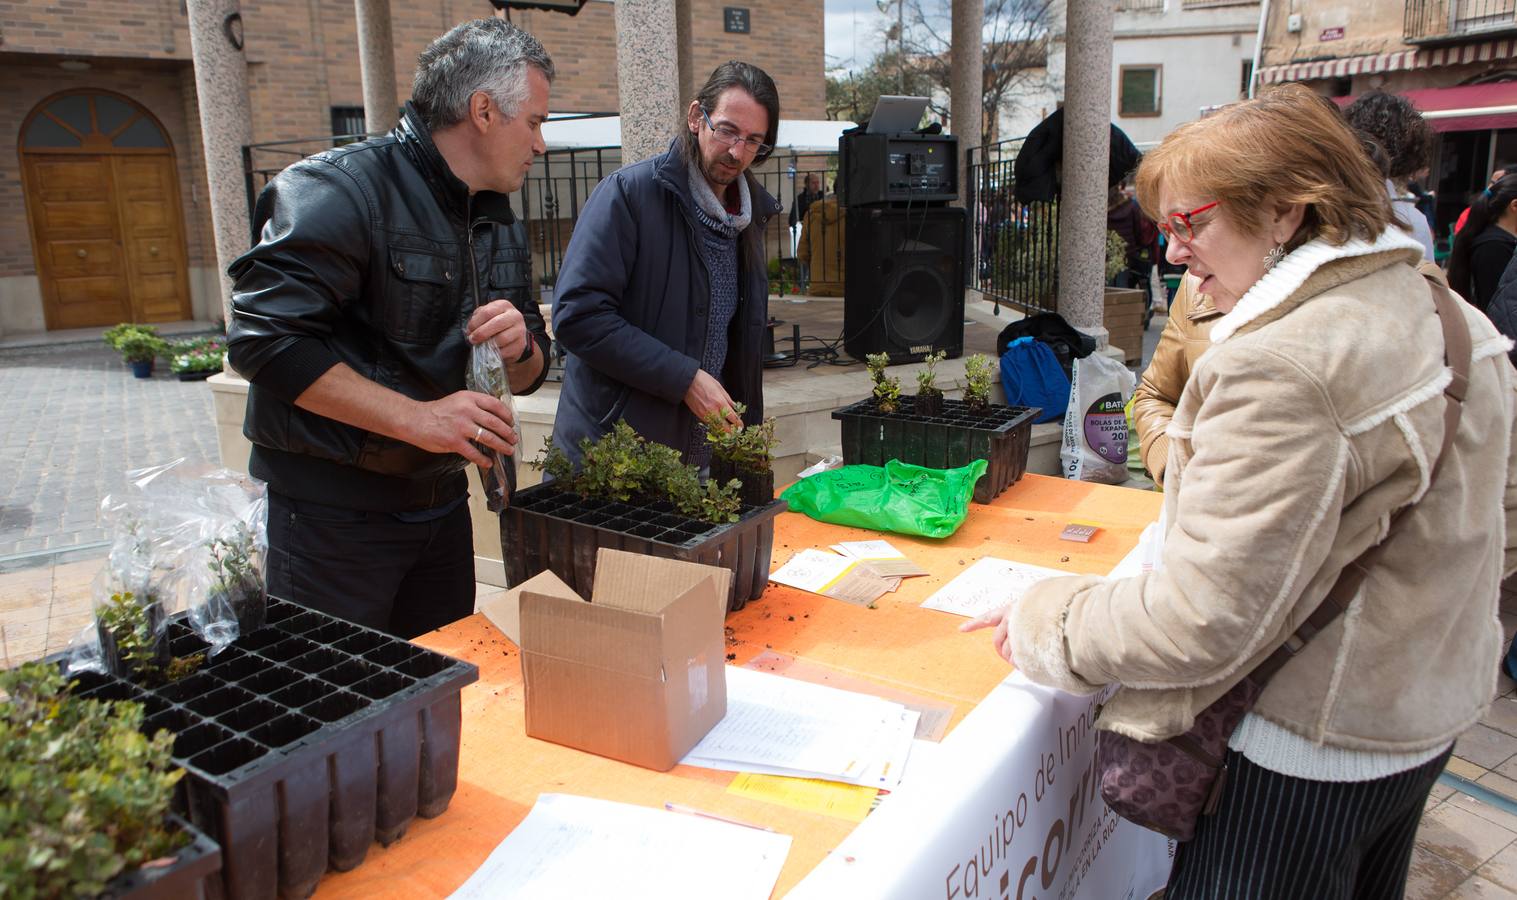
[1126, 218]
[1496, 175]
[1297, 437]
[349, 320]
[811, 193]
[1185, 337]
[1485, 245]
[663, 296]
[824, 247]
[1405, 138]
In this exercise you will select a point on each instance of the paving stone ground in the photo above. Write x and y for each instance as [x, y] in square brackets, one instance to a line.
[73, 421]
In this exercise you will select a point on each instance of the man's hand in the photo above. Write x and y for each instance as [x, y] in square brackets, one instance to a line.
[500, 321]
[706, 395]
[1000, 619]
[459, 422]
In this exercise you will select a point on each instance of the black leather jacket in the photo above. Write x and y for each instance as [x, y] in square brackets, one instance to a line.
[374, 255]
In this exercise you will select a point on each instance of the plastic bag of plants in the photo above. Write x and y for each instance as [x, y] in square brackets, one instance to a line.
[487, 375]
[131, 625]
[898, 497]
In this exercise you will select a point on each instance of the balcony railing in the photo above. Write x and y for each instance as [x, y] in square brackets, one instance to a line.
[1446, 20]
[1140, 5]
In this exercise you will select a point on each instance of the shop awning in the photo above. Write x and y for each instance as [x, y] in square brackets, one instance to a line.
[1399, 60]
[1471, 107]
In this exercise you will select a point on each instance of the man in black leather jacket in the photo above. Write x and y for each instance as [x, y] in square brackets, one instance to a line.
[379, 265]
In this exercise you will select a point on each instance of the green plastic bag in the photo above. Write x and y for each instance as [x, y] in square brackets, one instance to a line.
[900, 497]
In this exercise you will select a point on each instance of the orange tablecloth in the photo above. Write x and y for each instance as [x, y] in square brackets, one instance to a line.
[897, 644]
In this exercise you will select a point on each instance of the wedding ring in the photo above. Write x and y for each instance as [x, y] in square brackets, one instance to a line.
[478, 432]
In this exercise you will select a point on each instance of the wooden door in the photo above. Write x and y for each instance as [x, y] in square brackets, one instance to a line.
[76, 242]
[102, 197]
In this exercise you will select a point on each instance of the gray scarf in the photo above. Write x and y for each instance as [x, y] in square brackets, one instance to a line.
[712, 207]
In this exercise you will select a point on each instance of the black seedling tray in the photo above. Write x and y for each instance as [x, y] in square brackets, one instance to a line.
[548, 529]
[304, 742]
[1000, 435]
[191, 876]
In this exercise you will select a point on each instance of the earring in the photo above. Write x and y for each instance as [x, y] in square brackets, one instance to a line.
[1274, 256]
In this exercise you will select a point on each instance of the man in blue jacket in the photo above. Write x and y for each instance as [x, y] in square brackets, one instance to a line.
[663, 295]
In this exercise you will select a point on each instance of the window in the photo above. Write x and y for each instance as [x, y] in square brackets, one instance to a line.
[347, 120]
[1138, 93]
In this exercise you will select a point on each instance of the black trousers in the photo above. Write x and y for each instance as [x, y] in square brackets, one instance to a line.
[1277, 837]
[405, 578]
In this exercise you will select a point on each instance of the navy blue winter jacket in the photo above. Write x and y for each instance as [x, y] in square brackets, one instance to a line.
[632, 301]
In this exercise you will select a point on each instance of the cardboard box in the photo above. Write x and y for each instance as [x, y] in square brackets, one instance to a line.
[638, 673]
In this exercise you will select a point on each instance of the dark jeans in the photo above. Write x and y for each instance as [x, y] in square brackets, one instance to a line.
[1276, 837]
[405, 578]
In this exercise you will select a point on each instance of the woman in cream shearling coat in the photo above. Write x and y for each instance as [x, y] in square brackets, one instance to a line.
[1314, 416]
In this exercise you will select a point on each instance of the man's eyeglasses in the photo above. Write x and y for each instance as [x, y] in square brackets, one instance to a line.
[1179, 227]
[731, 137]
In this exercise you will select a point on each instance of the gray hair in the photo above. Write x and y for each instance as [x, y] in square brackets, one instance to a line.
[489, 55]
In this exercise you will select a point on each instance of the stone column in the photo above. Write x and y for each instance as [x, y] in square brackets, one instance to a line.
[652, 72]
[221, 88]
[1087, 148]
[376, 58]
[967, 81]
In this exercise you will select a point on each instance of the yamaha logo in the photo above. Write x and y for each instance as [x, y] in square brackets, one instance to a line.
[920, 348]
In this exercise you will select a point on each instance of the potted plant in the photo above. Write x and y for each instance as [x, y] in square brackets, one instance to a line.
[131, 630]
[978, 371]
[196, 358]
[929, 399]
[632, 494]
[745, 453]
[96, 817]
[878, 429]
[237, 576]
[887, 388]
[139, 346]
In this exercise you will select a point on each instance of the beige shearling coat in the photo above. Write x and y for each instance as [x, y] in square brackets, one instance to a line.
[1315, 414]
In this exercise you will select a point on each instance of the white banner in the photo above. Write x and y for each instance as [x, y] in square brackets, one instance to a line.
[1008, 809]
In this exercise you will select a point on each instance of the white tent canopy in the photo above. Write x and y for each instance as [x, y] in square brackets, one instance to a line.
[800, 135]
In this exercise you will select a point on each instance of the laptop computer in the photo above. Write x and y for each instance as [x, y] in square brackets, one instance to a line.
[896, 115]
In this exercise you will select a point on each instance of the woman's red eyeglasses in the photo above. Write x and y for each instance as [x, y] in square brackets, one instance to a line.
[1178, 227]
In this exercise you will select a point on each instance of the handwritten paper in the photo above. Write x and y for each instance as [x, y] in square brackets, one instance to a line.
[829, 798]
[988, 584]
[831, 575]
[570, 847]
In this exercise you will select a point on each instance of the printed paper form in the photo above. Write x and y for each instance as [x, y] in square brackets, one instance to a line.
[570, 848]
[882, 558]
[780, 726]
[831, 575]
[988, 584]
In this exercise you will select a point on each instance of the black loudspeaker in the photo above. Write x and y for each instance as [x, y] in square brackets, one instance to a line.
[903, 291]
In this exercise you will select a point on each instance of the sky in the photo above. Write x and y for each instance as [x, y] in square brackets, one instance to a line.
[854, 32]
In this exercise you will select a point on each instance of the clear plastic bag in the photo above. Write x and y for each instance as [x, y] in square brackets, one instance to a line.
[487, 375]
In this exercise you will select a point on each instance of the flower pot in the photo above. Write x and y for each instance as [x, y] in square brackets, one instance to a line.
[1000, 435]
[303, 743]
[546, 528]
[141, 368]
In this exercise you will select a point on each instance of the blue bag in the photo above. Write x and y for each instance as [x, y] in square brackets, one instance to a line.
[1031, 376]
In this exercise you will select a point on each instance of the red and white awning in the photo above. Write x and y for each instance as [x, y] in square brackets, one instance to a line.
[1400, 60]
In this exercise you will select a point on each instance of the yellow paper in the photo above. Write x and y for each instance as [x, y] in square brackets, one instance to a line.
[842, 801]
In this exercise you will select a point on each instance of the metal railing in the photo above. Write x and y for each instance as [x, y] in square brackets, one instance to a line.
[1014, 246]
[1444, 20]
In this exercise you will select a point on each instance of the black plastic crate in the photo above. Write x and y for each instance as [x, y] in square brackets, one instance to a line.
[1000, 435]
[545, 528]
[293, 771]
[191, 876]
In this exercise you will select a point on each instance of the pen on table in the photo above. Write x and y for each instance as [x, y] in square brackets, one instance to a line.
[691, 811]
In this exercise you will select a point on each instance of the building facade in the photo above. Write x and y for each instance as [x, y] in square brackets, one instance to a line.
[104, 213]
[1173, 60]
[1456, 60]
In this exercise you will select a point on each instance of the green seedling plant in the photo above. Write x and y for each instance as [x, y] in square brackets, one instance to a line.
[978, 370]
[130, 625]
[887, 388]
[749, 448]
[927, 375]
[96, 790]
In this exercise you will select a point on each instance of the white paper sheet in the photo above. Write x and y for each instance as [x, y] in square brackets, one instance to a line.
[831, 575]
[988, 584]
[881, 557]
[780, 726]
[576, 847]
